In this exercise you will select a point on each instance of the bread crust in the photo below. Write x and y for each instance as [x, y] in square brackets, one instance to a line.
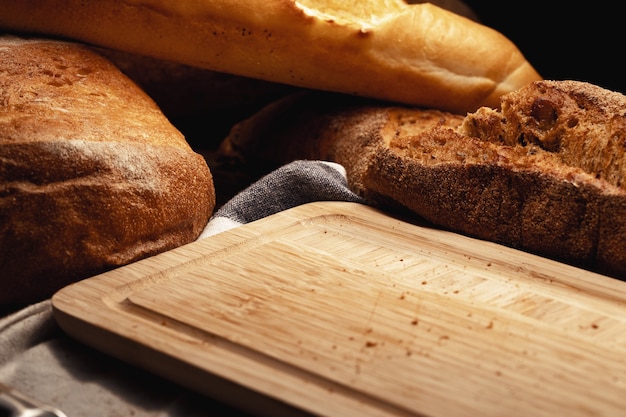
[467, 174]
[417, 54]
[92, 175]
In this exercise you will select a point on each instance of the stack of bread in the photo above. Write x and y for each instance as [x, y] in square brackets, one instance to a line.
[426, 108]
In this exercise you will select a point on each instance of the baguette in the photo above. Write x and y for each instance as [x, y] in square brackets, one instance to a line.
[417, 54]
[92, 175]
[545, 174]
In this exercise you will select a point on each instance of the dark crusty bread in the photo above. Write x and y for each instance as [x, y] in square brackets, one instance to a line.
[545, 174]
[582, 123]
[92, 175]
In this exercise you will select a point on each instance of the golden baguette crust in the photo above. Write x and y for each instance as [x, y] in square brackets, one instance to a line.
[92, 175]
[486, 175]
[417, 54]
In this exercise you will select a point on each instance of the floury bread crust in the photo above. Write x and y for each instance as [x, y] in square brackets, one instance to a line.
[92, 175]
[545, 174]
[417, 54]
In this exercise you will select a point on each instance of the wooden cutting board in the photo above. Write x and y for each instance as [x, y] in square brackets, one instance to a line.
[338, 309]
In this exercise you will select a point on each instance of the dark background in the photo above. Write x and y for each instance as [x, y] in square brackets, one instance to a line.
[563, 40]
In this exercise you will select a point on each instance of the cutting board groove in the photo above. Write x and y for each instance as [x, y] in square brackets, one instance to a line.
[339, 309]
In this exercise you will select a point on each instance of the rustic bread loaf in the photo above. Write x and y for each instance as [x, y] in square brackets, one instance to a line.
[545, 174]
[92, 175]
[418, 54]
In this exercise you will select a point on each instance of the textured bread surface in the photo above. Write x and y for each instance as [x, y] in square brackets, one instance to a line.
[92, 175]
[418, 54]
[544, 174]
[582, 123]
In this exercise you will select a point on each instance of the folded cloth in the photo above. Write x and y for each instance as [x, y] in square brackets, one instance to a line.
[40, 361]
[294, 184]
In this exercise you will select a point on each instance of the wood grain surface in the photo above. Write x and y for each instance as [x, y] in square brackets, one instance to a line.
[338, 309]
